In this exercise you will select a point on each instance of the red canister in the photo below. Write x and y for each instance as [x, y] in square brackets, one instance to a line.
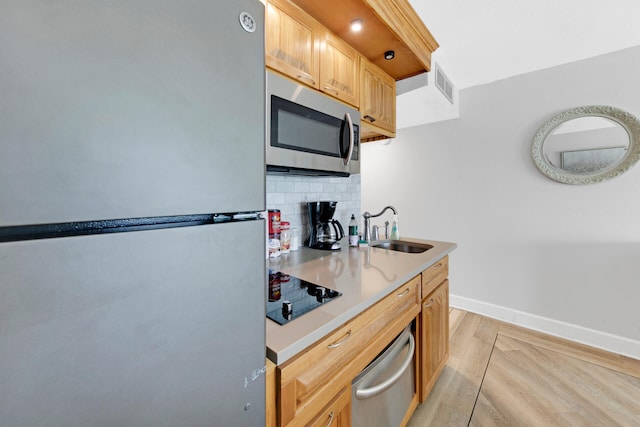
[274, 223]
[274, 232]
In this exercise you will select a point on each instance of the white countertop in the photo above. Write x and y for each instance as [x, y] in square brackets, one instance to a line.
[363, 275]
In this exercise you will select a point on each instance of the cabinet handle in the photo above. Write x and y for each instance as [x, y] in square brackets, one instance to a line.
[368, 117]
[402, 294]
[386, 384]
[329, 88]
[438, 265]
[429, 304]
[339, 343]
[330, 418]
[309, 79]
[352, 141]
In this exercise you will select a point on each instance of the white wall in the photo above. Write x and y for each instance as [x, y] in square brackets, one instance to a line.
[559, 258]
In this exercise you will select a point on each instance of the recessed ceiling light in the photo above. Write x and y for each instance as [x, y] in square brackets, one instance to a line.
[356, 25]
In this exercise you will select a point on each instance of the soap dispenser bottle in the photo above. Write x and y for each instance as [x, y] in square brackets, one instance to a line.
[353, 231]
[395, 234]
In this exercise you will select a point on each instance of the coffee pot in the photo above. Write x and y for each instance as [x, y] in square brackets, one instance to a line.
[324, 231]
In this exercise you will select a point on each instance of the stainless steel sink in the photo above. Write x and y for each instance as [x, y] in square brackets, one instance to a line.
[401, 246]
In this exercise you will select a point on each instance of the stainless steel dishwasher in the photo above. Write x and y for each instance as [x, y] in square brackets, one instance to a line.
[382, 392]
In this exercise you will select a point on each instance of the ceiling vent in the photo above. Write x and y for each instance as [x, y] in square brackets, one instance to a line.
[444, 84]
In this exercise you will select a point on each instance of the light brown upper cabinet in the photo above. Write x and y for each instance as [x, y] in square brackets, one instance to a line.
[292, 42]
[299, 47]
[310, 41]
[339, 69]
[377, 100]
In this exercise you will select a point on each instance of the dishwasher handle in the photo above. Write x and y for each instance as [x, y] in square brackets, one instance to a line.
[380, 388]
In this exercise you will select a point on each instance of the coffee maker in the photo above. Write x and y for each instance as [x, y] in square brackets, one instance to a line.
[324, 231]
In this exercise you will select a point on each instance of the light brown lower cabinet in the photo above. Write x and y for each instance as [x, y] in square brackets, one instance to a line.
[434, 326]
[435, 337]
[314, 388]
[270, 379]
[314, 383]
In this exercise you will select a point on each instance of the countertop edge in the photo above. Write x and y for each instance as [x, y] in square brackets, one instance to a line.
[285, 354]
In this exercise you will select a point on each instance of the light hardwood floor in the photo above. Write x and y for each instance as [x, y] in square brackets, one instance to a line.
[502, 375]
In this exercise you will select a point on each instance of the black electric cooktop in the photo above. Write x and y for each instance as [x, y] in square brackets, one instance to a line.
[289, 297]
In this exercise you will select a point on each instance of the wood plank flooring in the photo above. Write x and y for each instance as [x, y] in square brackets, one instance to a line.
[502, 375]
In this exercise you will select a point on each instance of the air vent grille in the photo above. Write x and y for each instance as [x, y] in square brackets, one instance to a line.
[444, 84]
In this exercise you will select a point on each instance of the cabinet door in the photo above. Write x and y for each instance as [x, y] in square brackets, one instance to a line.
[377, 97]
[435, 336]
[291, 42]
[270, 379]
[339, 75]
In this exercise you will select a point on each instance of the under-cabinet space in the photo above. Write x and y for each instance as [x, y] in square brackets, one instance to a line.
[388, 25]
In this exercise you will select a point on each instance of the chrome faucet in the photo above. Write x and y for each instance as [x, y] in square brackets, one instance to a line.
[375, 231]
[367, 221]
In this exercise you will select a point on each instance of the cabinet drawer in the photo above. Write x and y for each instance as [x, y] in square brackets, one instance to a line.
[308, 381]
[337, 413]
[434, 275]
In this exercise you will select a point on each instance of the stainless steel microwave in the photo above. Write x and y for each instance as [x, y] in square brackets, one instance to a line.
[309, 133]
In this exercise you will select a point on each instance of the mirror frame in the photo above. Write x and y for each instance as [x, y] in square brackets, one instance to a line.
[628, 121]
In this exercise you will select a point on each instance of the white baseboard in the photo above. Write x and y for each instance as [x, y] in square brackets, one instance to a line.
[591, 337]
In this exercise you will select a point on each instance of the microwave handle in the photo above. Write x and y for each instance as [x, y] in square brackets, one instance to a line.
[347, 159]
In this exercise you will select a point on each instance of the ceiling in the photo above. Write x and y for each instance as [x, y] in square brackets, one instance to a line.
[482, 41]
[487, 40]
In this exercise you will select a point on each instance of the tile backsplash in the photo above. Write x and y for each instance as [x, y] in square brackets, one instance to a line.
[290, 193]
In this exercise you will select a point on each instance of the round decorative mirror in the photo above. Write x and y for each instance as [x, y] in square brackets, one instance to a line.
[587, 144]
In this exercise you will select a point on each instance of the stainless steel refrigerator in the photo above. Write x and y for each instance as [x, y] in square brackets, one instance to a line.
[132, 257]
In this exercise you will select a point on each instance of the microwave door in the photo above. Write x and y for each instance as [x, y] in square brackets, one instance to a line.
[308, 132]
